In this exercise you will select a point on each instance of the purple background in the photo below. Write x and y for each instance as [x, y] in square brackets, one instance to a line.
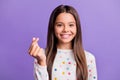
[20, 20]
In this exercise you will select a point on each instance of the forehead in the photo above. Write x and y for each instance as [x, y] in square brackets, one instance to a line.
[65, 17]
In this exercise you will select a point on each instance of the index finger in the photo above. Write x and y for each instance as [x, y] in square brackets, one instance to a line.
[34, 43]
[35, 40]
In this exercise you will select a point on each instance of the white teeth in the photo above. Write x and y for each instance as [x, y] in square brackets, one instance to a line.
[65, 36]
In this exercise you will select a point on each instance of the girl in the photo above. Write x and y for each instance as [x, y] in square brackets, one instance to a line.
[64, 57]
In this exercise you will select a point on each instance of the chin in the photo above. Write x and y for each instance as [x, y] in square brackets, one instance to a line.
[65, 41]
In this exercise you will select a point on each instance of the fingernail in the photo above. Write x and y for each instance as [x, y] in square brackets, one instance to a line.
[37, 39]
[33, 38]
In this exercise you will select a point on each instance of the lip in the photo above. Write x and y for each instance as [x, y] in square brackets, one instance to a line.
[65, 36]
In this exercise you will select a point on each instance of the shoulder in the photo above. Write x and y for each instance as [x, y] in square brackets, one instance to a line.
[89, 54]
[89, 57]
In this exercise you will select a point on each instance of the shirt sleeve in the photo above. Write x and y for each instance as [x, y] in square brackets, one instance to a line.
[40, 72]
[92, 71]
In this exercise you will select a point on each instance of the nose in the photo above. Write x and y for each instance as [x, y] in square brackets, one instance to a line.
[65, 29]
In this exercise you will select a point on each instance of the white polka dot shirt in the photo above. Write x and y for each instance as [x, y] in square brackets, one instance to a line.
[64, 67]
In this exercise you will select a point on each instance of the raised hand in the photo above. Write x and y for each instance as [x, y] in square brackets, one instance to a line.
[37, 52]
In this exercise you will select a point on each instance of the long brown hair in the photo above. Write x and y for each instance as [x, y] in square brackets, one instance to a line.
[51, 48]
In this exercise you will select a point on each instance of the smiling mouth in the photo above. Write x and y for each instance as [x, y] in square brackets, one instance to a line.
[65, 36]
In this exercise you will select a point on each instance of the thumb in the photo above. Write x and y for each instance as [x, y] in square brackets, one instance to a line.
[35, 39]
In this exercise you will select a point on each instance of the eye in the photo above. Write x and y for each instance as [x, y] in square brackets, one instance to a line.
[71, 25]
[58, 25]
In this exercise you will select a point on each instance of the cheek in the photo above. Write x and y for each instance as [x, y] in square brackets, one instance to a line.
[57, 30]
[74, 30]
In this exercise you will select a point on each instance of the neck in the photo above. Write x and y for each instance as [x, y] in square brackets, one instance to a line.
[64, 46]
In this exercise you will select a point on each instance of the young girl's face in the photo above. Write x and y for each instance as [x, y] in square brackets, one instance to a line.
[65, 27]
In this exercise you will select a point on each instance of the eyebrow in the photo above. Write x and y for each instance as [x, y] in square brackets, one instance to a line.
[62, 22]
[72, 22]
